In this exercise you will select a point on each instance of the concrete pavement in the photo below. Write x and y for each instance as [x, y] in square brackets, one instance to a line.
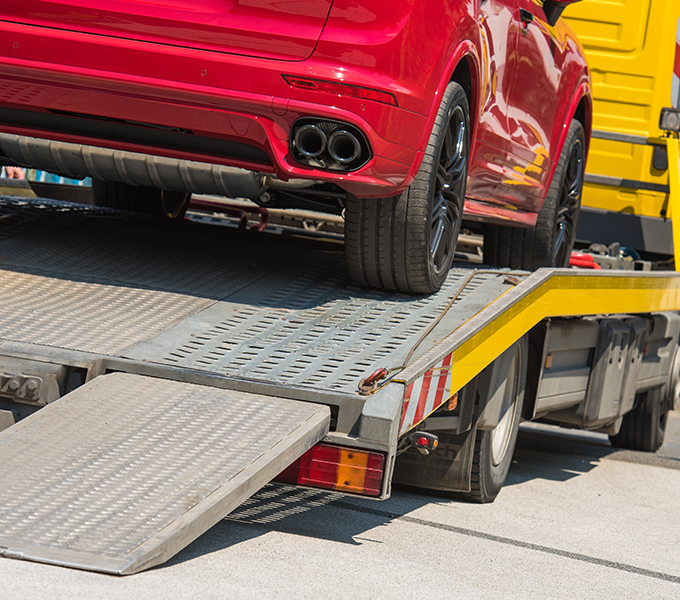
[577, 519]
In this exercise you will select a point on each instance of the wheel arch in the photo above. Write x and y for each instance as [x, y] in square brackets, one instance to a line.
[466, 75]
[581, 109]
[462, 68]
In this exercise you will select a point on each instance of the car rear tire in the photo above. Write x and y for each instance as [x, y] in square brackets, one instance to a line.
[147, 200]
[408, 243]
[550, 242]
[494, 448]
[644, 427]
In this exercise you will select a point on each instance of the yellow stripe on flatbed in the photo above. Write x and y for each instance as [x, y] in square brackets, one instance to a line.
[546, 293]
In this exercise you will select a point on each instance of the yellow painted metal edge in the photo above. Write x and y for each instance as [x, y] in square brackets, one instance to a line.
[672, 148]
[561, 295]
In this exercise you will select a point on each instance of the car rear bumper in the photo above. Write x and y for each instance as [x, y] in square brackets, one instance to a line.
[192, 105]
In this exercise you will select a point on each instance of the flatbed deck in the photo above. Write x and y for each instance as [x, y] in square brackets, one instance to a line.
[264, 312]
[93, 300]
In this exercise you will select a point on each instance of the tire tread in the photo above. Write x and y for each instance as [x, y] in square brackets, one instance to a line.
[387, 239]
[531, 248]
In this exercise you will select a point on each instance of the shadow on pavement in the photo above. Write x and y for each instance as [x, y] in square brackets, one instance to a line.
[298, 511]
[542, 453]
[560, 454]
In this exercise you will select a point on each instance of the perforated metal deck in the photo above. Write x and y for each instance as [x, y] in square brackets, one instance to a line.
[238, 304]
[308, 325]
[122, 473]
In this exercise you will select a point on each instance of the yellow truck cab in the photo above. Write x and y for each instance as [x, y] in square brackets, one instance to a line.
[633, 48]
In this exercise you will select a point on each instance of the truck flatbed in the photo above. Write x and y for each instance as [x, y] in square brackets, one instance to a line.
[102, 309]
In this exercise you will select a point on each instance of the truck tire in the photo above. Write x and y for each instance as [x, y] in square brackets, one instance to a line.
[494, 448]
[407, 243]
[644, 427]
[146, 200]
[550, 242]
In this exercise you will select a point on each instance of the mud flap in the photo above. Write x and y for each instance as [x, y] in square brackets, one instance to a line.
[448, 468]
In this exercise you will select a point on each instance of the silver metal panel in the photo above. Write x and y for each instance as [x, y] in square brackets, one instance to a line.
[88, 279]
[106, 319]
[626, 183]
[288, 313]
[121, 474]
[622, 137]
[59, 240]
[308, 325]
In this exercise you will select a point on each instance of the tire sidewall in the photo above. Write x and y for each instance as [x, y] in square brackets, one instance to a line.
[454, 96]
[545, 231]
[493, 476]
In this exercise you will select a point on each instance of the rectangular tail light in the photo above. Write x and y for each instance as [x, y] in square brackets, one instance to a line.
[338, 468]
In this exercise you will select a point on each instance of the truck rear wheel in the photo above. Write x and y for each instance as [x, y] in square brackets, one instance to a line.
[494, 448]
[644, 427]
[147, 200]
[407, 243]
[550, 242]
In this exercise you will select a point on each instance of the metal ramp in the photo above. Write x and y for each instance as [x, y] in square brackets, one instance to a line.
[122, 473]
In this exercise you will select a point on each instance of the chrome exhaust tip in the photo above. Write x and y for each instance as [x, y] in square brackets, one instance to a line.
[310, 141]
[328, 145]
[344, 147]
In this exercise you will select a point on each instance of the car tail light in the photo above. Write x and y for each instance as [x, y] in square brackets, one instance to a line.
[338, 468]
[340, 89]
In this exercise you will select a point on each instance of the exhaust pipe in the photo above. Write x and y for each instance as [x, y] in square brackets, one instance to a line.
[329, 145]
[344, 147]
[310, 141]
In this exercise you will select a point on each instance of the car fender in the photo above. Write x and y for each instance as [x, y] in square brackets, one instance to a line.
[583, 91]
[465, 51]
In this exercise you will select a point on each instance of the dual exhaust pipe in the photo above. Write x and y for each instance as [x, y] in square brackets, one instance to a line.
[330, 145]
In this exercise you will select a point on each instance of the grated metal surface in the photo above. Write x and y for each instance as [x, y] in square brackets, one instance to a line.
[86, 278]
[18, 216]
[135, 251]
[113, 476]
[286, 311]
[104, 319]
[308, 325]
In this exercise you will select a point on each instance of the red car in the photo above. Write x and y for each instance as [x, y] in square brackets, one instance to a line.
[404, 115]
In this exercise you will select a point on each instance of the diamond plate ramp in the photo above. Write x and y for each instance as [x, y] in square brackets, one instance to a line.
[125, 471]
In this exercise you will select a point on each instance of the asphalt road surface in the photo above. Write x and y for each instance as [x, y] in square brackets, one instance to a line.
[577, 519]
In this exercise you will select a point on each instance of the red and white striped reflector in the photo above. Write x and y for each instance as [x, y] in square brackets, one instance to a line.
[427, 394]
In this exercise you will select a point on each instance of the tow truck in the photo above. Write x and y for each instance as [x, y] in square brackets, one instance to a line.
[631, 188]
[155, 374]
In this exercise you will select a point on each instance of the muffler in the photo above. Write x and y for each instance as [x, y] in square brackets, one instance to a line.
[329, 145]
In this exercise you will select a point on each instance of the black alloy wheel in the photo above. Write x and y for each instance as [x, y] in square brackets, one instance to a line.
[408, 242]
[550, 242]
[449, 192]
[569, 205]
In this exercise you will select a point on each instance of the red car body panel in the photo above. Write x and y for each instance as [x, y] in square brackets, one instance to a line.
[215, 68]
[284, 30]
